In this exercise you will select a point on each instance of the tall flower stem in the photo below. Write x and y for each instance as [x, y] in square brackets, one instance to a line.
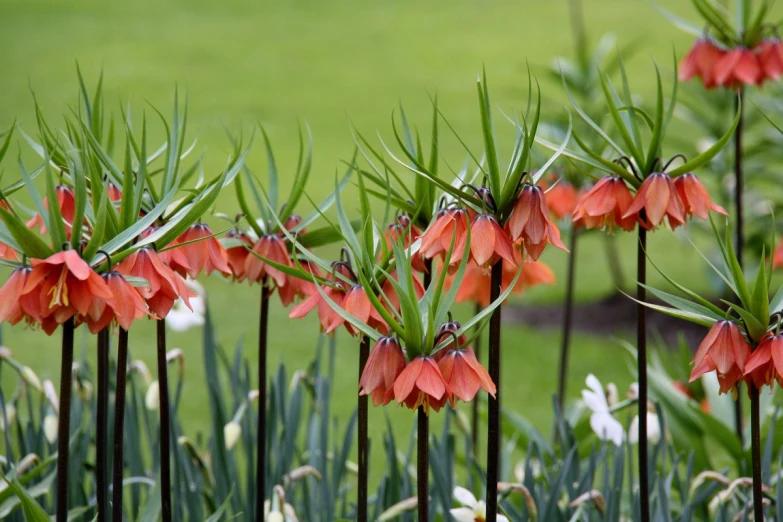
[740, 242]
[263, 323]
[361, 500]
[165, 427]
[101, 428]
[641, 343]
[755, 443]
[568, 309]
[474, 420]
[422, 465]
[64, 421]
[119, 424]
[493, 422]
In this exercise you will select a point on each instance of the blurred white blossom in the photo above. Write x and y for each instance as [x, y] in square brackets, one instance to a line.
[601, 420]
[653, 429]
[231, 433]
[473, 510]
[10, 414]
[50, 428]
[152, 399]
[31, 378]
[182, 318]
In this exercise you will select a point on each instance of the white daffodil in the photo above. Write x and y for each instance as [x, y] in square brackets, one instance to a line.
[473, 510]
[182, 318]
[601, 420]
[50, 428]
[231, 433]
[152, 398]
[653, 429]
[10, 414]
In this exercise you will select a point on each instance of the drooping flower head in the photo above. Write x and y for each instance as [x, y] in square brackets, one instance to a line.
[604, 206]
[465, 375]
[164, 285]
[701, 61]
[384, 365]
[561, 198]
[489, 243]
[475, 285]
[437, 239]
[237, 255]
[124, 305]
[765, 364]
[272, 247]
[335, 289]
[66, 202]
[530, 223]
[65, 285]
[695, 198]
[203, 251]
[657, 198]
[421, 383]
[770, 55]
[404, 232]
[15, 306]
[725, 351]
[738, 67]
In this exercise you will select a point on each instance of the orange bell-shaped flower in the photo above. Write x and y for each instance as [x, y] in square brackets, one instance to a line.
[725, 351]
[422, 384]
[658, 198]
[530, 222]
[465, 375]
[604, 205]
[384, 365]
[738, 67]
[125, 305]
[765, 364]
[203, 251]
[695, 198]
[164, 285]
[701, 61]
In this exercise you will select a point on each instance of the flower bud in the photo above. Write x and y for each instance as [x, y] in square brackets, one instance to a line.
[50, 428]
[31, 378]
[152, 399]
[51, 394]
[612, 395]
[10, 414]
[231, 434]
[5, 352]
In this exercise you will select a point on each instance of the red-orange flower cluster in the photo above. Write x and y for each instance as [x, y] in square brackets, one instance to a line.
[63, 287]
[733, 68]
[402, 230]
[66, 201]
[421, 383]
[675, 199]
[475, 286]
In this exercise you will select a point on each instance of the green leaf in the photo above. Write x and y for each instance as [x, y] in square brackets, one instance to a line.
[302, 174]
[490, 148]
[653, 152]
[708, 154]
[99, 229]
[33, 512]
[217, 515]
[693, 317]
[30, 244]
[759, 298]
[755, 328]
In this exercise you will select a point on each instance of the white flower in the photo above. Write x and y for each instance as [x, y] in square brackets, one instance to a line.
[601, 420]
[231, 433]
[50, 428]
[182, 318]
[473, 510]
[31, 378]
[10, 413]
[152, 399]
[653, 429]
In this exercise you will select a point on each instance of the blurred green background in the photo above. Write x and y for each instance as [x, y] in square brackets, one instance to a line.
[328, 63]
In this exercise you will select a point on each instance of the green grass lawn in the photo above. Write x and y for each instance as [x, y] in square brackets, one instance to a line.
[328, 64]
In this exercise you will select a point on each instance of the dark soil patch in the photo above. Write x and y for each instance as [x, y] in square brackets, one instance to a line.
[615, 314]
